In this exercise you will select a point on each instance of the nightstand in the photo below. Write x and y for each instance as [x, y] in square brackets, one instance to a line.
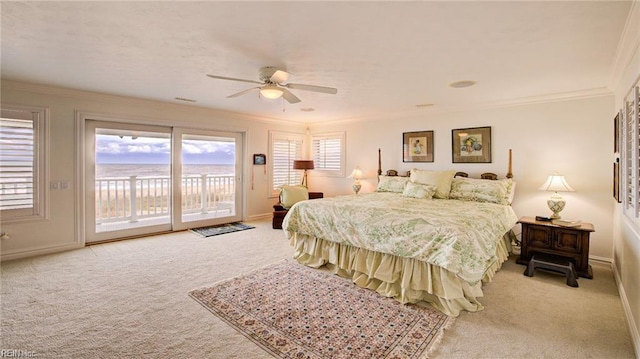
[550, 239]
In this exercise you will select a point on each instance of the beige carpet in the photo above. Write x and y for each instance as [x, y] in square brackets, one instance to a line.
[129, 299]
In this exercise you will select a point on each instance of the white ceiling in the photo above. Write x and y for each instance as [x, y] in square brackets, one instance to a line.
[384, 57]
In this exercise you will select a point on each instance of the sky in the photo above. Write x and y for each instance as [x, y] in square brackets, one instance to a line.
[152, 150]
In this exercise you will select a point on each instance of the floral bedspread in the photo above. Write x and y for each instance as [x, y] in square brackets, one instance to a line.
[460, 236]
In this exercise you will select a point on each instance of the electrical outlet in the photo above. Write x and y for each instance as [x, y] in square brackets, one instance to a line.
[64, 184]
[54, 185]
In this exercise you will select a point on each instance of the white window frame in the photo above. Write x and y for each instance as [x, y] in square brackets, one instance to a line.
[295, 176]
[320, 169]
[629, 147]
[40, 118]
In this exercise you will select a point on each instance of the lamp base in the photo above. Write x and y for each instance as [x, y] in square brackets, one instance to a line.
[356, 187]
[556, 206]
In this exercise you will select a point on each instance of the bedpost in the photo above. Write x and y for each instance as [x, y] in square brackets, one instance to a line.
[379, 164]
[509, 171]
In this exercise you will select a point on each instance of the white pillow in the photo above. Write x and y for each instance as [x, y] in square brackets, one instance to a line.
[290, 195]
[391, 184]
[416, 190]
[480, 190]
[440, 179]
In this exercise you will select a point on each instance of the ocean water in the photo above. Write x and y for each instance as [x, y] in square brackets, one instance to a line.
[146, 170]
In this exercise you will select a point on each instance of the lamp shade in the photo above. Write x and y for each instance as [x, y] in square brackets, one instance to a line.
[356, 173]
[271, 92]
[556, 183]
[303, 164]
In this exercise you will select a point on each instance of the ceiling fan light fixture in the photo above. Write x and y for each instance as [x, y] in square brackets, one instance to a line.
[271, 92]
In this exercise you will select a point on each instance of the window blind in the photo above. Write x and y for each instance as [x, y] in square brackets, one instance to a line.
[284, 150]
[328, 153]
[17, 164]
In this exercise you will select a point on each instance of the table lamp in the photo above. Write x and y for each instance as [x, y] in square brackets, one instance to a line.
[556, 183]
[303, 165]
[357, 175]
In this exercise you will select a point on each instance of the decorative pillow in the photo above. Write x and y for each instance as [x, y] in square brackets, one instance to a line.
[290, 195]
[416, 190]
[480, 190]
[391, 184]
[440, 179]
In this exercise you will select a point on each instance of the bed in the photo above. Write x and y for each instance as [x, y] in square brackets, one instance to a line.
[428, 243]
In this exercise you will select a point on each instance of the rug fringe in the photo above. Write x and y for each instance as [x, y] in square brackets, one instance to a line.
[436, 343]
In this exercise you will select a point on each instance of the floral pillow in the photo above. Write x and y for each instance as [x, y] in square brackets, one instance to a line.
[391, 184]
[416, 190]
[480, 190]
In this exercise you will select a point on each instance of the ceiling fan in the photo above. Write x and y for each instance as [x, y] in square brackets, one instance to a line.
[272, 81]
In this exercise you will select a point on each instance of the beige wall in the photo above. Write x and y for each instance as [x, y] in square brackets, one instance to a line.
[59, 231]
[571, 137]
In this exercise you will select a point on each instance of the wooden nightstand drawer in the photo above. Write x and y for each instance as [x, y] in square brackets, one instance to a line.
[568, 241]
[539, 236]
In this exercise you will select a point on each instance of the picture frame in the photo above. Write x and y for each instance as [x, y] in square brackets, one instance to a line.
[616, 133]
[417, 146]
[259, 159]
[616, 181]
[471, 145]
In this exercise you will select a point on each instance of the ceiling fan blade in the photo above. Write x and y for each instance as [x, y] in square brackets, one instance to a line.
[243, 92]
[291, 98]
[329, 90]
[279, 76]
[233, 79]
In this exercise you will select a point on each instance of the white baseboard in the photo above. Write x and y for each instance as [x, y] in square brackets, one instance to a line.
[633, 326]
[37, 251]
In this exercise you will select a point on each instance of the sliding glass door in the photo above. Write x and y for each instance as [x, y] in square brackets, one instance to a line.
[149, 179]
[207, 171]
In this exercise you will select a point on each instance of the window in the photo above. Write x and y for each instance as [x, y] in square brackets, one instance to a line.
[284, 148]
[630, 146]
[23, 149]
[328, 154]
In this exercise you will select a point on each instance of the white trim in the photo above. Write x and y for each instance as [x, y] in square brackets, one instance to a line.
[79, 170]
[633, 328]
[37, 251]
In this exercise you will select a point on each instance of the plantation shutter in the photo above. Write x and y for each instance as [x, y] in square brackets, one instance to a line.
[19, 163]
[328, 153]
[16, 164]
[284, 150]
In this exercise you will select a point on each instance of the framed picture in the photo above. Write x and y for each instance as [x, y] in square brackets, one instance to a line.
[471, 145]
[616, 133]
[616, 180]
[259, 159]
[417, 146]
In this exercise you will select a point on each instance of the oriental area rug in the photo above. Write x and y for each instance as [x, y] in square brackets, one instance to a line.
[293, 311]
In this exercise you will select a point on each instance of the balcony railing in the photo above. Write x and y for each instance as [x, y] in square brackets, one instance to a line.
[130, 199]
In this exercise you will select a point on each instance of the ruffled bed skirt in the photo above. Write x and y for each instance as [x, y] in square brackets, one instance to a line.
[404, 279]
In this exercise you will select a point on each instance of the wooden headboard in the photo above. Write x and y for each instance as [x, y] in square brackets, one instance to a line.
[486, 175]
